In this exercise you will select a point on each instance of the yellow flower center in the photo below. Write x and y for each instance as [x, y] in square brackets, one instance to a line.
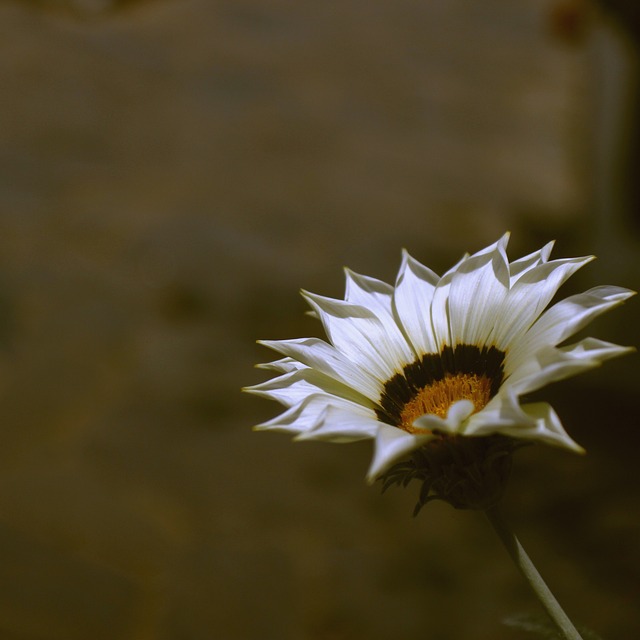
[437, 397]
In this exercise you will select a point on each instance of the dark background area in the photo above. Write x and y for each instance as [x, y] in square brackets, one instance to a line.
[171, 173]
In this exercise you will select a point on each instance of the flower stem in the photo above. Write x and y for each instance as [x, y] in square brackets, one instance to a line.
[531, 575]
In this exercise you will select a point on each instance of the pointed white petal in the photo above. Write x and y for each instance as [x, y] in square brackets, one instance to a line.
[391, 445]
[500, 244]
[284, 365]
[317, 354]
[369, 293]
[293, 387]
[551, 364]
[310, 413]
[376, 296]
[440, 313]
[519, 267]
[595, 349]
[342, 424]
[299, 418]
[477, 293]
[362, 338]
[561, 321]
[547, 428]
[529, 296]
[440, 306]
[412, 303]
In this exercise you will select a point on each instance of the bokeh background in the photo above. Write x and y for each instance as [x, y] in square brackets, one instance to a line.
[171, 173]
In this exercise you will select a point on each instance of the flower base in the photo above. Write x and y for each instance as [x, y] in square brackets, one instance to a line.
[466, 472]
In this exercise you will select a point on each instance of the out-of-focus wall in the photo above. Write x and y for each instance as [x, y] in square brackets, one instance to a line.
[171, 173]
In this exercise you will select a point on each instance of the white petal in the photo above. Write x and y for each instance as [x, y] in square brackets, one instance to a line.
[310, 413]
[391, 445]
[362, 337]
[293, 387]
[377, 296]
[440, 307]
[594, 349]
[547, 427]
[284, 365]
[299, 418]
[369, 293]
[317, 354]
[552, 364]
[440, 313]
[478, 290]
[499, 244]
[529, 296]
[561, 321]
[342, 424]
[412, 303]
[501, 414]
[458, 412]
[506, 416]
[519, 267]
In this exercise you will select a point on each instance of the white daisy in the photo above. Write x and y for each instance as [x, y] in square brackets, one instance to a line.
[438, 356]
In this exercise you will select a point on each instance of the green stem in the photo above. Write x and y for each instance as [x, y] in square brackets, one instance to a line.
[531, 575]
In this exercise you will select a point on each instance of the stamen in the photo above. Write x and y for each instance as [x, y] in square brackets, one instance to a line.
[437, 397]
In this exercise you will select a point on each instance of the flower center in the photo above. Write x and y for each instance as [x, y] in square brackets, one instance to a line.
[433, 382]
[437, 397]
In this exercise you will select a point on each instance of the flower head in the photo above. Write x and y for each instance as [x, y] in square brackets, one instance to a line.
[439, 357]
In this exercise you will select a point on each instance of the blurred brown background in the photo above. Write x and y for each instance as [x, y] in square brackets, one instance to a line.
[171, 173]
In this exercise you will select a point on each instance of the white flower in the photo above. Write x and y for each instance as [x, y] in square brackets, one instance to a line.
[439, 355]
